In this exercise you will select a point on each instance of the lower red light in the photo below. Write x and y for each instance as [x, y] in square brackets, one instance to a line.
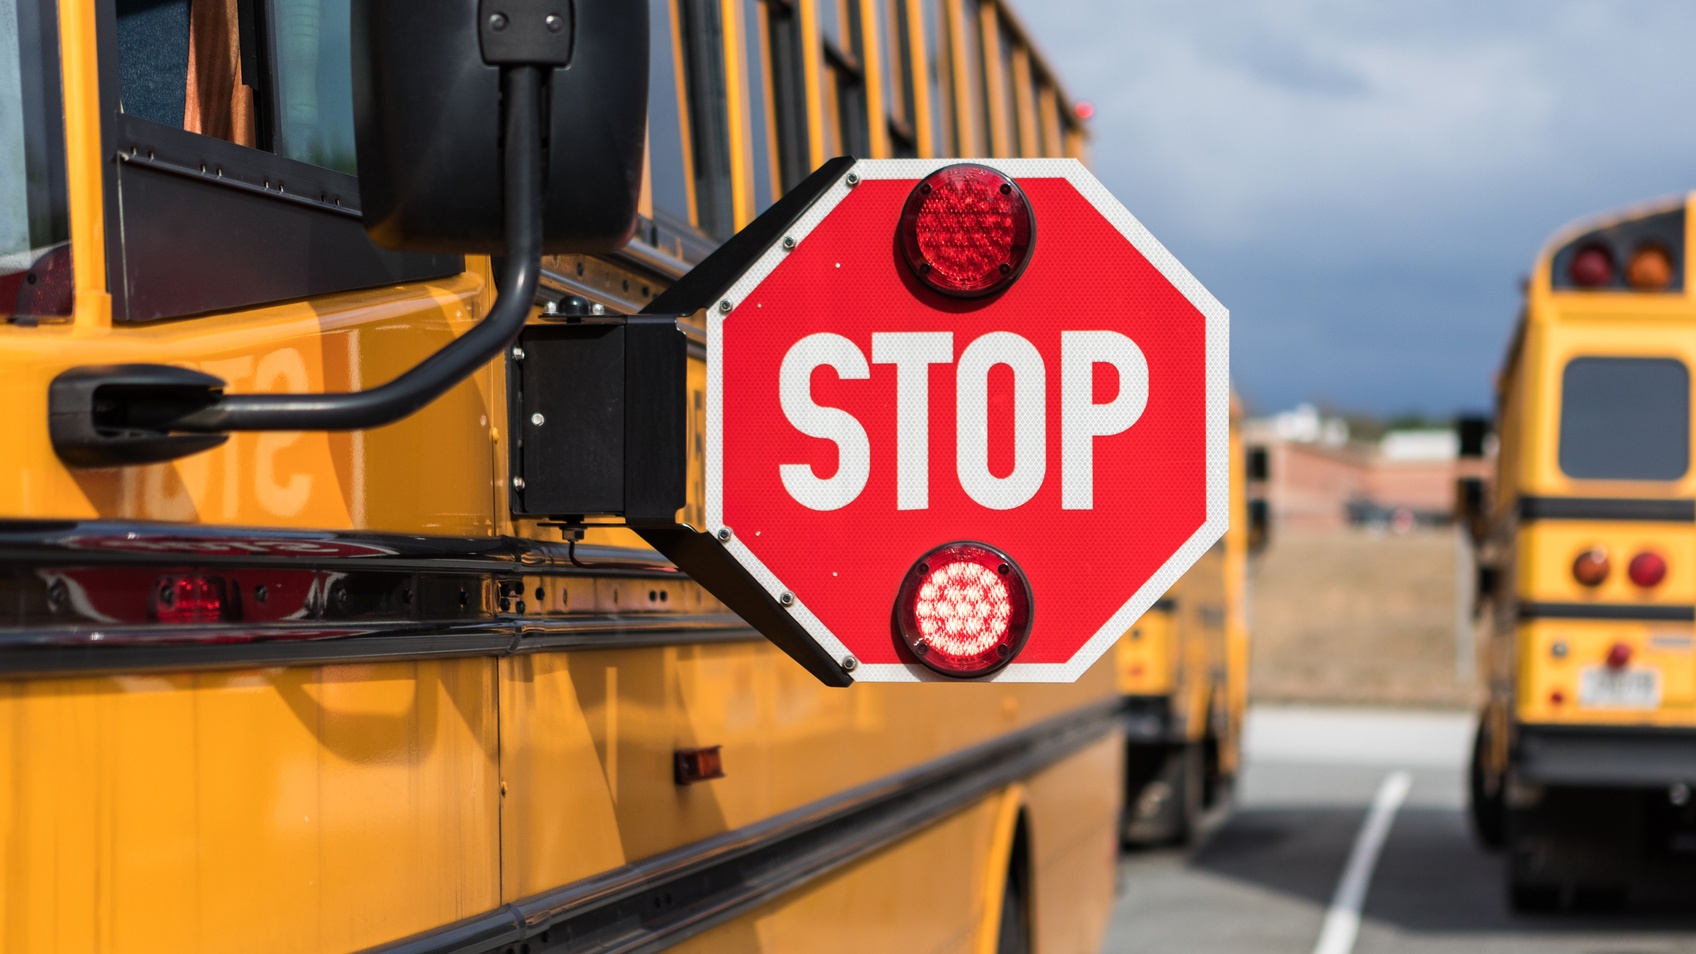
[1619, 655]
[964, 609]
[1647, 569]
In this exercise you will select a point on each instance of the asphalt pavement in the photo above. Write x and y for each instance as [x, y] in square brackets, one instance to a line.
[1349, 836]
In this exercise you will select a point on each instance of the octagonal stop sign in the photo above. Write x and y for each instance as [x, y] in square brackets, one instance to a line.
[962, 420]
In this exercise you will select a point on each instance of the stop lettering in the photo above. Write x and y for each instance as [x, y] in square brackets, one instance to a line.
[965, 424]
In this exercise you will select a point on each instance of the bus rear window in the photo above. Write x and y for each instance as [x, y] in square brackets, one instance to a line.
[35, 251]
[1625, 419]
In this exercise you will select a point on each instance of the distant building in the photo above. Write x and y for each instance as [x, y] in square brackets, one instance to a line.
[1318, 479]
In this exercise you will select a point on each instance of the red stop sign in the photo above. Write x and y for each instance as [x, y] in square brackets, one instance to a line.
[1074, 420]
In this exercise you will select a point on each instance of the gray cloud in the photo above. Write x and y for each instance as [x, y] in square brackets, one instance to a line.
[1364, 183]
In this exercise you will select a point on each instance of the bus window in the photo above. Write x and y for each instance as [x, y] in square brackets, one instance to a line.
[667, 173]
[35, 255]
[1007, 44]
[762, 147]
[847, 133]
[180, 65]
[788, 102]
[701, 27]
[938, 79]
[895, 36]
[1625, 419]
[973, 133]
[313, 116]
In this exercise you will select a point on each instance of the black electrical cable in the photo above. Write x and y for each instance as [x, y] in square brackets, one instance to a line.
[434, 376]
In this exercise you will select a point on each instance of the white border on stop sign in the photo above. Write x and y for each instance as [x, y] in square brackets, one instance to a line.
[1218, 415]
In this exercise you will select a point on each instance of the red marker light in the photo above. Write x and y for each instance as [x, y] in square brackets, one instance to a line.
[1619, 655]
[967, 230]
[188, 599]
[1647, 569]
[964, 609]
[1591, 267]
[1591, 567]
[1084, 110]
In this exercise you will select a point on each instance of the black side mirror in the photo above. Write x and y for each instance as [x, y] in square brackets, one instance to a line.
[428, 116]
[500, 126]
[1471, 507]
[1259, 525]
[1258, 464]
[1472, 432]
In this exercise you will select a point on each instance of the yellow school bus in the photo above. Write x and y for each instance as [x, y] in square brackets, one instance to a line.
[328, 689]
[1583, 754]
[1183, 675]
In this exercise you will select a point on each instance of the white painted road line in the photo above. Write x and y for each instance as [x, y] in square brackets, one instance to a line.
[1342, 921]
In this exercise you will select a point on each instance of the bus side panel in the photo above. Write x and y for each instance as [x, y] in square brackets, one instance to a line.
[921, 894]
[277, 810]
[1074, 845]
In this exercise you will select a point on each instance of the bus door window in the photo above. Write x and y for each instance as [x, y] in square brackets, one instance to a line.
[35, 251]
[313, 112]
[895, 42]
[180, 65]
[1625, 419]
[936, 138]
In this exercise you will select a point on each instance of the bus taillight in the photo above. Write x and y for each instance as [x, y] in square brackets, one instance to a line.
[1591, 567]
[1592, 267]
[1650, 268]
[964, 609]
[188, 598]
[1619, 655]
[967, 230]
[1647, 569]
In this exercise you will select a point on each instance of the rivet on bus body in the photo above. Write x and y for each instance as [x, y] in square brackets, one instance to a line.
[537, 419]
[1558, 649]
[518, 483]
[518, 353]
[597, 309]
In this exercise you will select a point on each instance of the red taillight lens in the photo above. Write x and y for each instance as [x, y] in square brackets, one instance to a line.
[964, 609]
[188, 599]
[1591, 267]
[967, 230]
[1591, 567]
[1647, 568]
[1619, 655]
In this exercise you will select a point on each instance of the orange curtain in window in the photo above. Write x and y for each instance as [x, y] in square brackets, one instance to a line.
[218, 103]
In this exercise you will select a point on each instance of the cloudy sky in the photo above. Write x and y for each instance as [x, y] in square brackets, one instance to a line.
[1363, 183]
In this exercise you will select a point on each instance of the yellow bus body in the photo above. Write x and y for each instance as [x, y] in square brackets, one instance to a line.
[174, 798]
[1182, 672]
[1548, 754]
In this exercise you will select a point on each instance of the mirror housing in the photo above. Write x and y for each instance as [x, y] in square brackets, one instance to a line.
[428, 118]
[1259, 525]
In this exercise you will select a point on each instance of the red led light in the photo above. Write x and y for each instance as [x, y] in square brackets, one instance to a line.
[967, 230]
[1619, 655]
[964, 609]
[188, 599]
[1647, 568]
[1591, 267]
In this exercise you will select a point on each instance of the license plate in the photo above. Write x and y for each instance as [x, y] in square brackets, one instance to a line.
[1599, 687]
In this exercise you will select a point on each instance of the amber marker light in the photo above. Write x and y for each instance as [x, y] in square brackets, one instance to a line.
[967, 230]
[1650, 268]
[964, 609]
[1591, 567]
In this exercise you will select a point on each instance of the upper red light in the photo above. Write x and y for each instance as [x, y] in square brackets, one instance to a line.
[1647, 568]
[964, 609]
[967, 230]
[1591, 267]
[189, 599]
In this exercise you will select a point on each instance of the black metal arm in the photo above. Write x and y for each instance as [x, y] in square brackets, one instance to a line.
[126, 414]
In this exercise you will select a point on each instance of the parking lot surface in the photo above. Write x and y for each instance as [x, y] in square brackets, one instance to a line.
[1295, 867]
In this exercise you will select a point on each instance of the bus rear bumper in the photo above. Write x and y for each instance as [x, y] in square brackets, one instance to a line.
[1607, 756]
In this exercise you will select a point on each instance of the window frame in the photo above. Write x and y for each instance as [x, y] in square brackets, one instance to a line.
[185, 212]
